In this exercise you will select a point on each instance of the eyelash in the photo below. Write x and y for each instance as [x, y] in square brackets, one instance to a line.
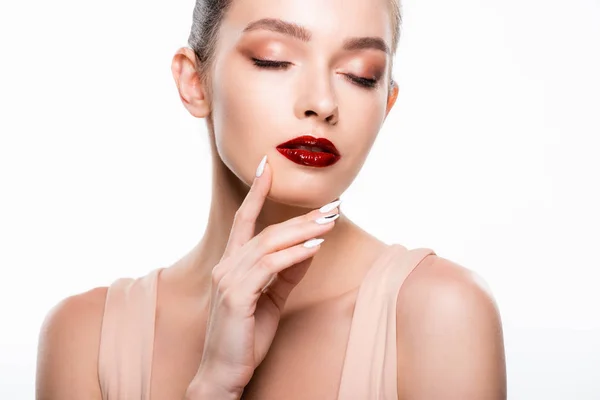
[268, 64]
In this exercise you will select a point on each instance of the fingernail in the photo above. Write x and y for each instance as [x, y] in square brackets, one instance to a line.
[261, 166]
[330, 206]
[313, 242]
[329, 218]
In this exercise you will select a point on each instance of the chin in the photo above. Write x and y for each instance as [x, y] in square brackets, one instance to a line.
[307, 193]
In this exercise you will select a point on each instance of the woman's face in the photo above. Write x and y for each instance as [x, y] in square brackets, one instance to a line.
[322, 89]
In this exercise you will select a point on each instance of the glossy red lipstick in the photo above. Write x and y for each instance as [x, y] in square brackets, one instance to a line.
[310, 151]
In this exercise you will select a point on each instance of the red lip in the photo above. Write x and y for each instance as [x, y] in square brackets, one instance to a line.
[329, 156]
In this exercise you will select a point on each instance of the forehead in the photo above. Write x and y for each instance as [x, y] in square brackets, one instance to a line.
[327, 20]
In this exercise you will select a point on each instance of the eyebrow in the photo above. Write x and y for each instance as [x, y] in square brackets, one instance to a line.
[303, 34]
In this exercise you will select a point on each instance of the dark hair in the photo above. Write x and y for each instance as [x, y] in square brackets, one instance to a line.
[208, 15]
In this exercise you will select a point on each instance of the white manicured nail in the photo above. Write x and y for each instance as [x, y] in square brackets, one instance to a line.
[330, 206]
[313, 242]
[261, 166]
[327, 219]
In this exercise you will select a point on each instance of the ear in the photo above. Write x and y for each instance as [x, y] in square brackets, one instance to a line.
[189, 84]
[392, 96]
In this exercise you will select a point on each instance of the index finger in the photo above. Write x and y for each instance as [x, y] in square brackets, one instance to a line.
[244, 221]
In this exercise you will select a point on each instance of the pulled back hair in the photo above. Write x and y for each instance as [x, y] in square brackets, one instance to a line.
[207, 18]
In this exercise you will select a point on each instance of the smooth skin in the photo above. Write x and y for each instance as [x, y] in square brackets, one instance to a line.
[449, 334]
[449, 343]
[243, 316]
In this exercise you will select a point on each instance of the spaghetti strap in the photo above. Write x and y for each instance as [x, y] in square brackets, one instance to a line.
[127, 338]
[370, 365]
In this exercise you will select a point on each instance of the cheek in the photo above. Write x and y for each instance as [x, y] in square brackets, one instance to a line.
[247, 110]
[362, 115]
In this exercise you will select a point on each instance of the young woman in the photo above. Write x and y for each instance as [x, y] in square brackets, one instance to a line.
[294, 94]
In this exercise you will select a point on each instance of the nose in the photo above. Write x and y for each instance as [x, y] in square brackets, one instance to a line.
[317, 99]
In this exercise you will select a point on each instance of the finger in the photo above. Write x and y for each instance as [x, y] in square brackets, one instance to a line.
[284, 282]
[244, 221]
[280, 236]
[261, 275]
[286, 234]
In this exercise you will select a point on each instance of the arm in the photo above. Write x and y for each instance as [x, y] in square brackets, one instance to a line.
[449, 336]
[68, 349]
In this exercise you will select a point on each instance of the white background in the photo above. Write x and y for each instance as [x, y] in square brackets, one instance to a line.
[493, 145]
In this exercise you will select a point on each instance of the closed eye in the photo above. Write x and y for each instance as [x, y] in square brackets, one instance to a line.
[271, 64]
[366, 82]
[276, 65]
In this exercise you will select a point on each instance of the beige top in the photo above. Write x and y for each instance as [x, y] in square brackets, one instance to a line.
[369, 370]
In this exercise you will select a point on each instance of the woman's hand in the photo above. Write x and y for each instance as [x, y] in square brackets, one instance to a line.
[251, 284]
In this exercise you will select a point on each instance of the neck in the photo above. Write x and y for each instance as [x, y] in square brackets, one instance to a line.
[228, 193]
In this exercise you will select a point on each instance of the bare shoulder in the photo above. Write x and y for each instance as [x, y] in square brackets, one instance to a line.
[68, 348]
[449, 335]
[439, 285]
